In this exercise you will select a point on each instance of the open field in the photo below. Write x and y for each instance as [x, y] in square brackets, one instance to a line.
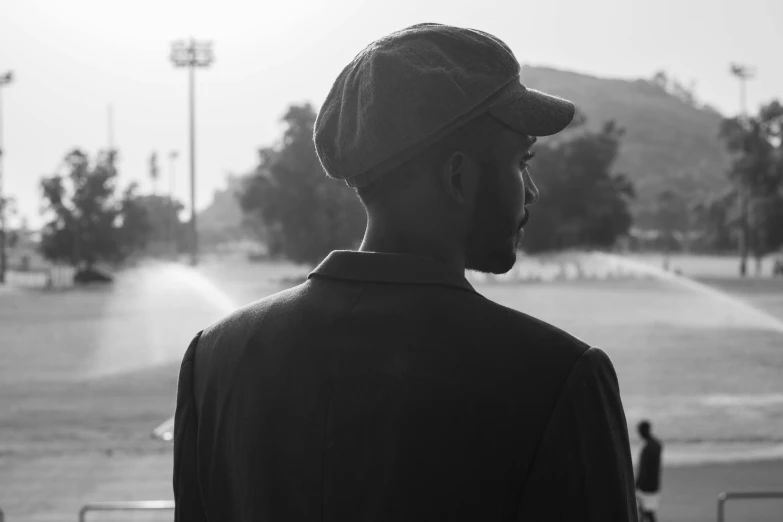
[85, 375]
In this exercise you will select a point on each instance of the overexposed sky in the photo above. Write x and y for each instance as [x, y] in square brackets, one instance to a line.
[71, 59]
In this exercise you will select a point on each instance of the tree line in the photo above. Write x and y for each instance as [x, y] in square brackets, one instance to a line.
[300, 214]
[746, 216]
[89, 219]
[305, 215]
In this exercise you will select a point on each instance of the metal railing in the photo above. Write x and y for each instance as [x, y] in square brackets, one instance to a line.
[54, 277]
[743, 495]
[130, 505]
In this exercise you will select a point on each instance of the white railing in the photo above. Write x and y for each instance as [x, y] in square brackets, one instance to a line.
[743, 495]
[43, 278]
[127, 505]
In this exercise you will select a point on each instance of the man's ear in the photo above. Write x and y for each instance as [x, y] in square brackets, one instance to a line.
[453, 178]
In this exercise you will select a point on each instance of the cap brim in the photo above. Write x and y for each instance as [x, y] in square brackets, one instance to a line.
[533, 112]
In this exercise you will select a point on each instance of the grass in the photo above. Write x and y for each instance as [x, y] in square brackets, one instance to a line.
[85, 375]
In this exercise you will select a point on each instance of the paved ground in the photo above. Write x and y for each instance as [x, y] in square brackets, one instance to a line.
[85, 375]
[61, 484]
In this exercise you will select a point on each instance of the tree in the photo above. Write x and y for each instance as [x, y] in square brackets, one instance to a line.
[672, 218]
[765, 212]
[757, 173]
[135, 226]
[86, 222]
[5, 236]
[661, 79]
[711, 219]
[306, 215]
[165, 232]
[583, 204]
[673, 86]
[154, 172]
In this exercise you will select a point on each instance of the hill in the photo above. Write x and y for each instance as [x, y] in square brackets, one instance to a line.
[669, 142]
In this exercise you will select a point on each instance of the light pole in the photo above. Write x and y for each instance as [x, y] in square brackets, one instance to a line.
[172, 206]
[743, 74]
[192, 54]
[5, 79]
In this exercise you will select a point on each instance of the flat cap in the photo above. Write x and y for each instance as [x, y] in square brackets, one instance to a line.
[409, 89]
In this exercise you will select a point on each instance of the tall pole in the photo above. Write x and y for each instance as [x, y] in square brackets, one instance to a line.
[172, 205]
[193, 229]
[743, 95]
[5, 79]
[743, 73]
[191, 55]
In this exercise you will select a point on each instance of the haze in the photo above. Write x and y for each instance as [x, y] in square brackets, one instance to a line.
[71, 60]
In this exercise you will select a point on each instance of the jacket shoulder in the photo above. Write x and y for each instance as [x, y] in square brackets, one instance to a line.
[244, 322]
[536, 333]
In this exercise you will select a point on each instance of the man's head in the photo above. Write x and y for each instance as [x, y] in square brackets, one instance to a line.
[470, 189]
[644, 428]
[432, 126]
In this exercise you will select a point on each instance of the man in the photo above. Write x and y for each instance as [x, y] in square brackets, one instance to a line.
[385, 387]
[648, 479]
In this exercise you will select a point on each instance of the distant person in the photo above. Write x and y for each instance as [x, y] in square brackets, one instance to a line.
[385, 387]
[648, 477]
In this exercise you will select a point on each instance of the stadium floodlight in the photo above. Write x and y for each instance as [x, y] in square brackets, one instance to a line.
[743, 74]
[192, 54]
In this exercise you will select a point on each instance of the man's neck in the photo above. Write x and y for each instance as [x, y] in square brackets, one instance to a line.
[378, 238]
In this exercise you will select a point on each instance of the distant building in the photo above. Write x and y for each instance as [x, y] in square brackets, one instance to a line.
[28, 268]
[22, 252]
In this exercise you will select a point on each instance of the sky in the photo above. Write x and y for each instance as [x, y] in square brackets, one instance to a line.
[73, 59]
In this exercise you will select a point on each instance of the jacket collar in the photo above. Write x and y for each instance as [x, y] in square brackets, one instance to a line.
[389, 268]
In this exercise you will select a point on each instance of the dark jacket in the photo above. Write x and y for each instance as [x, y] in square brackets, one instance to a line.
[649, 476]
[386, 388]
